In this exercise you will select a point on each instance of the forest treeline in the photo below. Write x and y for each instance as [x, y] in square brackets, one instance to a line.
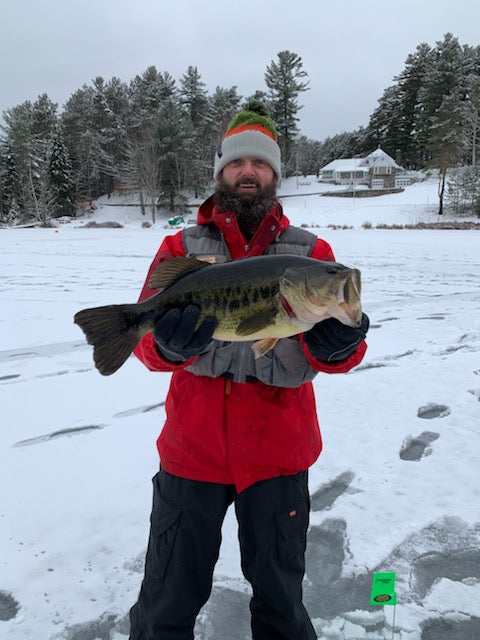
[157, 137]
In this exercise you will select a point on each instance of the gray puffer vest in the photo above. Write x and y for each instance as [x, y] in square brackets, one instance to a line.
[285, 365]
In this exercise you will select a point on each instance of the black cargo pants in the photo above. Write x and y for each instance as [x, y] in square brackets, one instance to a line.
[184, 545]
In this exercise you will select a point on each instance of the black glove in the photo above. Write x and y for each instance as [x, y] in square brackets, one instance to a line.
[332, 341]
[175, 333]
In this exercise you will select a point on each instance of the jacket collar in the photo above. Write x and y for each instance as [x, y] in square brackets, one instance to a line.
[272, 225]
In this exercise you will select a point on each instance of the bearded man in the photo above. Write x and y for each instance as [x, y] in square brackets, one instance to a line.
[238, 430]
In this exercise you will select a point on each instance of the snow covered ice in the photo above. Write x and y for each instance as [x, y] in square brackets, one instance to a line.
[395, 489]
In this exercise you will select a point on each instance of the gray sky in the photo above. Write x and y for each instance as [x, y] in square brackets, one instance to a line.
[351, 50]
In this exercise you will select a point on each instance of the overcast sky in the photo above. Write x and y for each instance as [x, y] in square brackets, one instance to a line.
[351, 50]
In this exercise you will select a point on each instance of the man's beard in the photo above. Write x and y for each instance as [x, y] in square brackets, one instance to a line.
[249, 210]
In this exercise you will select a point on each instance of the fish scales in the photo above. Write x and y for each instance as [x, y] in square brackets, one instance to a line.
[230, 295]
[228, 306]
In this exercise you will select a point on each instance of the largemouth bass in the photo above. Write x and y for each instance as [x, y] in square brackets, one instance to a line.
[259, 299]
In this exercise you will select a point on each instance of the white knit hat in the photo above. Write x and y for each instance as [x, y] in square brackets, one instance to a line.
[251, 133]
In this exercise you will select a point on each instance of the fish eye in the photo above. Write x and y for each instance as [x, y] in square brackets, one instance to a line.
[331, 270]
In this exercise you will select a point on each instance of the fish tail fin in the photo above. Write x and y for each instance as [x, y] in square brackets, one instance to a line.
[112, 331]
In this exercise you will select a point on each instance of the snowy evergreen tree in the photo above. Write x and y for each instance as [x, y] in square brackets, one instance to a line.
[175, 141]
[463, 190]
[60, 179]
[93, 125]
[222, 106]
[147, 92]
[343, 145]
[393, 124]
[140, 170]
[472, 119]
[443, 77]
[79, 140]
[447, 142]
[194, 104]
[109, 110]
[28, 131]
[286, 80]
[385, 124]
[9, 183]
[308, 156]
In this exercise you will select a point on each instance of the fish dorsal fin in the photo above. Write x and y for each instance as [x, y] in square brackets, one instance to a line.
[172, 269]
[256, 323]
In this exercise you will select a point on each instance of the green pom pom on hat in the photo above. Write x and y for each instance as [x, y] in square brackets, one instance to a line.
[251, 133]
[254, 116]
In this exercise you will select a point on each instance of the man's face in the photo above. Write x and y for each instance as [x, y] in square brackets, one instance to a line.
[248, 177]
[247, 187]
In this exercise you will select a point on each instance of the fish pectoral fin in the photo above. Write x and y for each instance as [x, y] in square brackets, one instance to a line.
[261, 347]
[172, 269]
[256, 323]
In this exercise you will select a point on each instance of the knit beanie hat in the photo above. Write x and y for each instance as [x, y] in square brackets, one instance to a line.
[251, 133]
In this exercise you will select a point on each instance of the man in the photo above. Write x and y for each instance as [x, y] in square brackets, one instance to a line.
[238, 430]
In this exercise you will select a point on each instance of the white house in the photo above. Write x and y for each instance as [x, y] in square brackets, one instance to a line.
[378, 170]
[345, 171]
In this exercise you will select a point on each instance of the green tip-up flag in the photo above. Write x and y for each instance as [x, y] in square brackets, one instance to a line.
[383, 589]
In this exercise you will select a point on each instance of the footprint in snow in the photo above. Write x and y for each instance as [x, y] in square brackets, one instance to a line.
[416, 448]
[8, 606]
[325, 496]
[99, 629]
[433, 410]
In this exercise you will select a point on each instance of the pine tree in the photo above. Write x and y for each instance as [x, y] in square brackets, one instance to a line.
[285, 79]
[410, 82]
[447, 142]
[9, 182]
[309, 156]
[443, 77]
[194, 105]
[60, 179]
[140, 169]
[28, 131]
[147, 93]
[393, 124]
[472, 118]
[110, 102]
[76, 125]
[222, 106]
[175, 154]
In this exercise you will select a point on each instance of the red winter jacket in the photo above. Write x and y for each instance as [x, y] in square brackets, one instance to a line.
[218, 430]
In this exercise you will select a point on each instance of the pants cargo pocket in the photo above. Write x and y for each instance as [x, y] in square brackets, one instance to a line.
[291, 537]
[164, 525]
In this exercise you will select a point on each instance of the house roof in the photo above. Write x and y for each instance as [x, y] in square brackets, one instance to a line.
[377, 157]
[345, 164]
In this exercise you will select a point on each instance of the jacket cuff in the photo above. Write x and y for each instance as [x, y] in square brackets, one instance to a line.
[146, 351]
[340, 366]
